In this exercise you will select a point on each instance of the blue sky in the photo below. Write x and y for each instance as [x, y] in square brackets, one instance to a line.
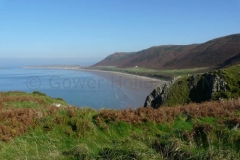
[97, 28]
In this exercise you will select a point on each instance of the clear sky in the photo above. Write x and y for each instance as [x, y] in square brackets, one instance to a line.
[97, 28]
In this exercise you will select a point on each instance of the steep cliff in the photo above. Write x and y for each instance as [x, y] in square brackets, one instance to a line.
[216, 85]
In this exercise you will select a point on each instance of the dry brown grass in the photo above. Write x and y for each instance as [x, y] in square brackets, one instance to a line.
[15, 122]
[7, 99]
[168, 114]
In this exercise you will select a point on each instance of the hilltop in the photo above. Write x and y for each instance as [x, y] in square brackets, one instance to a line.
[216, 53]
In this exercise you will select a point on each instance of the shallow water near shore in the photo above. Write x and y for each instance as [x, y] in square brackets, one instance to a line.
[81, 88]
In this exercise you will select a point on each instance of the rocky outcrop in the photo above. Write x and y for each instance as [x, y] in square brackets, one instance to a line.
[207, 87]
[195, 88]
[159, 95]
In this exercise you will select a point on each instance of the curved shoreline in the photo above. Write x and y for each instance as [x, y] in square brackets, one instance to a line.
[95, 70]
[133, 89]
[125, 74]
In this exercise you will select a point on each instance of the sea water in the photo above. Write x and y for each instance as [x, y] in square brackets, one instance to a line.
[81, 88]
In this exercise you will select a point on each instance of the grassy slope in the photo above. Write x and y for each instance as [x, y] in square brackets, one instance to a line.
[179, 93]
[31, 127]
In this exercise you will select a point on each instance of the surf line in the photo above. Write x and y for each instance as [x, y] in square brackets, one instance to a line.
[116, 95]
[115, 92]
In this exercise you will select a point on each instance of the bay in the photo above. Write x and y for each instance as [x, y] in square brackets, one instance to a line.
[82, 88]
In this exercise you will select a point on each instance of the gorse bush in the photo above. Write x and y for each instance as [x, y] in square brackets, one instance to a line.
[39, 93]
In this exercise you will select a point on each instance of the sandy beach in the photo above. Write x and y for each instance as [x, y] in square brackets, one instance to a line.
[101, 71]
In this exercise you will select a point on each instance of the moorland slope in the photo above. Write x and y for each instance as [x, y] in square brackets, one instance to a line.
[216, 53]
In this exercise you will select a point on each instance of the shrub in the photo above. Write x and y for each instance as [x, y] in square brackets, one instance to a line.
[39, 93]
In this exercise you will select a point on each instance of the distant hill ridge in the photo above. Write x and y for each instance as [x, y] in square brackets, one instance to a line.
[216, 53]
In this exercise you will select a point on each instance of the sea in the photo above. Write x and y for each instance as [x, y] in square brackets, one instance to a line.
[81, 88]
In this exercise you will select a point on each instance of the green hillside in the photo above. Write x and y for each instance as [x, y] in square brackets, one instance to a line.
[215, 85]
[35, 126]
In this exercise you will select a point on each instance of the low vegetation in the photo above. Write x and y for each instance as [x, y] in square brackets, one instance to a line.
[154, 73]
[33, 127]
[210, 86]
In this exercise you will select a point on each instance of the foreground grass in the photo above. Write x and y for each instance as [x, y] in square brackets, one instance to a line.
[154, 72]
[32, 127]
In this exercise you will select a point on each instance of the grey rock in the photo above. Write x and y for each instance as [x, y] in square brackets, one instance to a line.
[159, 94]
[201, 88]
